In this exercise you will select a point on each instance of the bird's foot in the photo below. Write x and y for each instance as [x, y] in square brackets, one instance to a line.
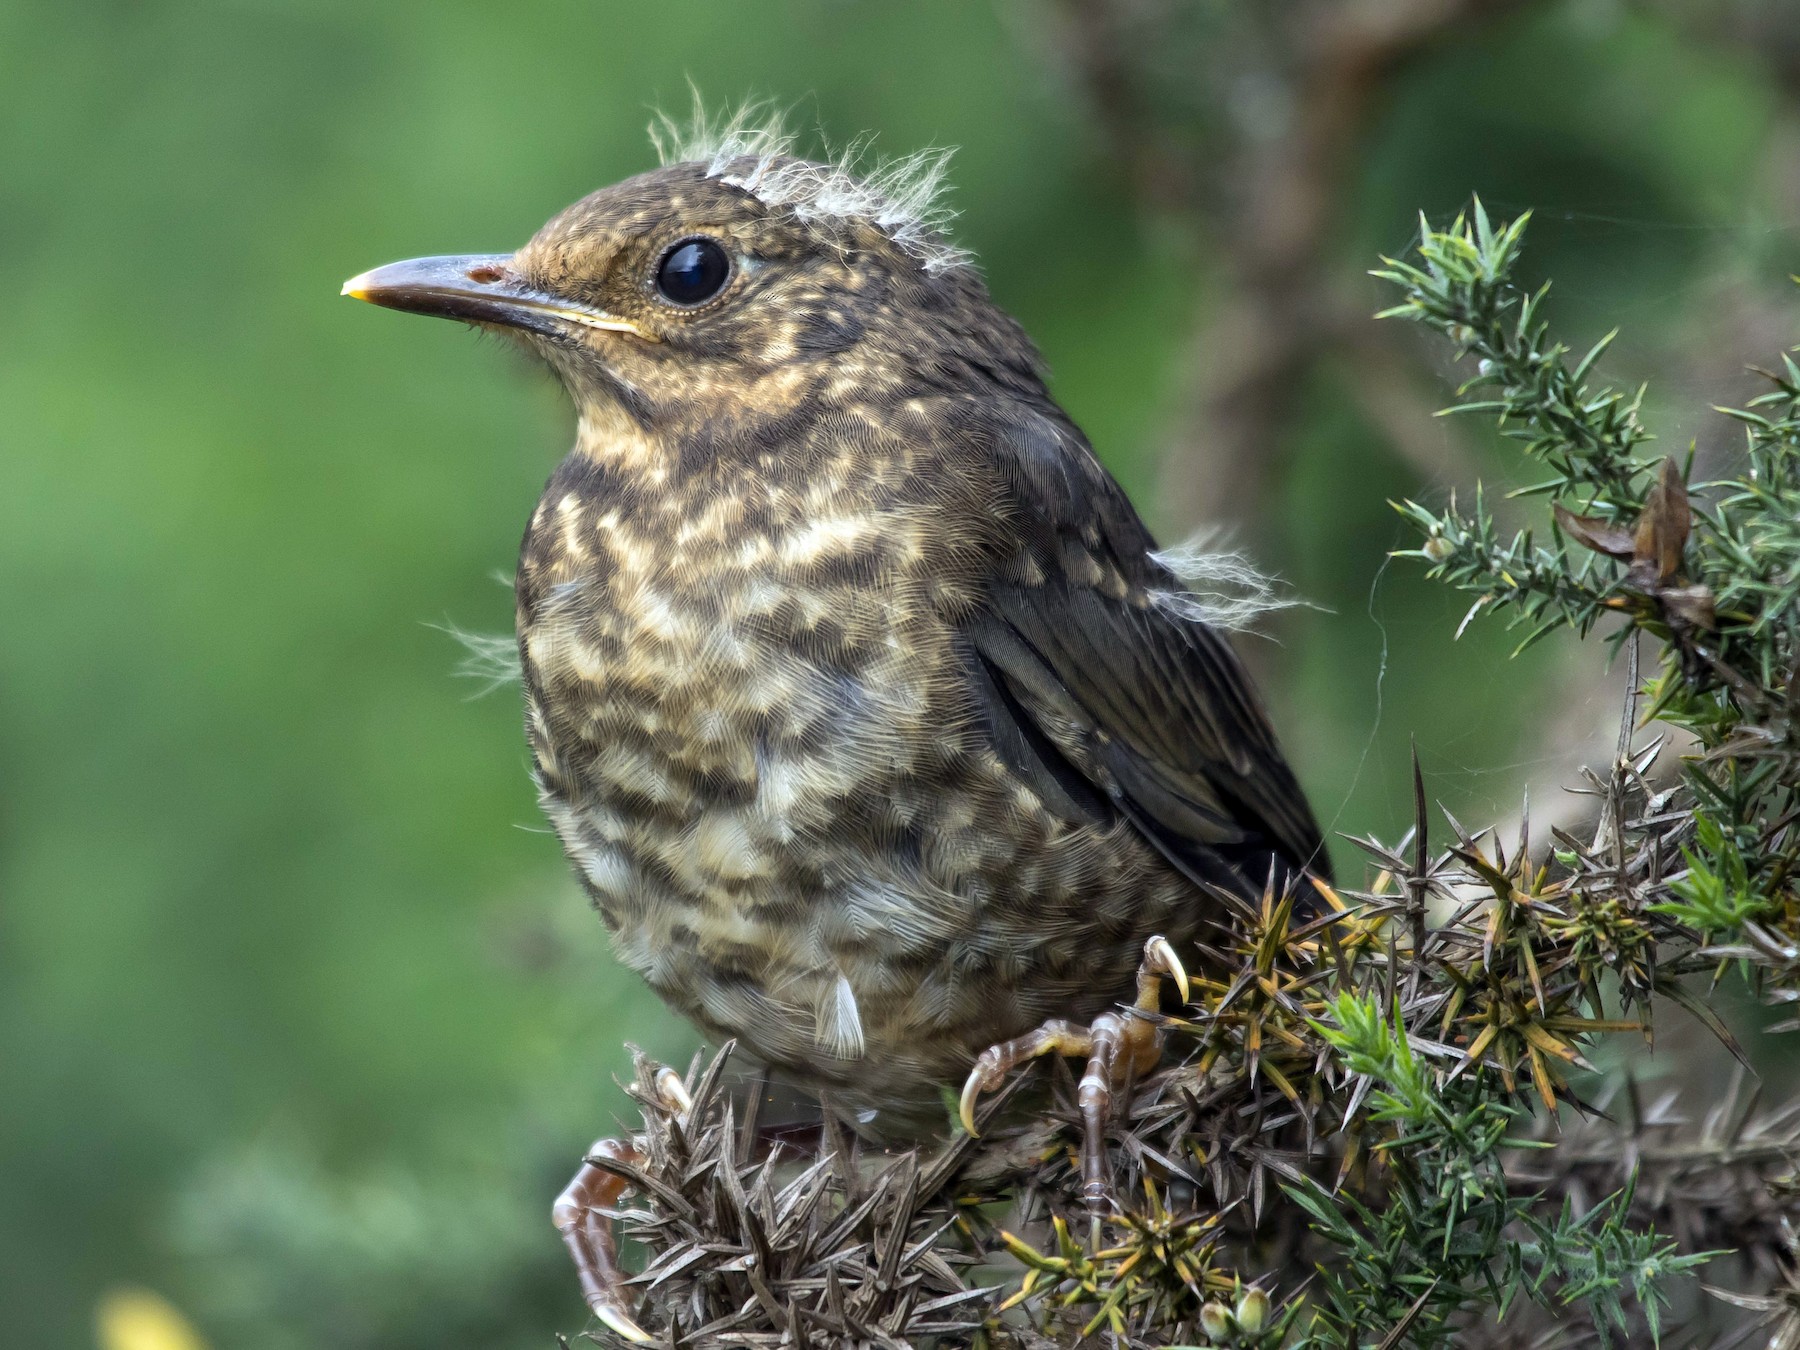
[1116, 1045]
[581, 1216]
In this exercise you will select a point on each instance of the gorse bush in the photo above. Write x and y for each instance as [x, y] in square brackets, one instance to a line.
[1378, 1124]
[1710, 572]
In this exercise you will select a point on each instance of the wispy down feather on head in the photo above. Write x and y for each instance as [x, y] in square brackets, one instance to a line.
[751, 147]
[1218, 586]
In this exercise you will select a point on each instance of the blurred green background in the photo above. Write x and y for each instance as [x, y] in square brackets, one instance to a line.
[301, 1021]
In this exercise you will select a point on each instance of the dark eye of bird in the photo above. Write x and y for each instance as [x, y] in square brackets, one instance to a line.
[694, 271]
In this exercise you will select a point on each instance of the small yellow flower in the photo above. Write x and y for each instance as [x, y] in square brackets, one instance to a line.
[140, 1319]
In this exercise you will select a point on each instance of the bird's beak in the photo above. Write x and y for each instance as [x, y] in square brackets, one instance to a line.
[478, 288]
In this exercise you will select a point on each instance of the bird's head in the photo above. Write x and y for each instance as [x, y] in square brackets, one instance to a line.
[737, 285]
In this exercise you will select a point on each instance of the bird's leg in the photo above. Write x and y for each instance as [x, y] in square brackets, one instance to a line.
[1116, 1045]
[580, 1215]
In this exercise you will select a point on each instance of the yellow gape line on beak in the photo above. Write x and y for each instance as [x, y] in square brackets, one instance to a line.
[479, 288]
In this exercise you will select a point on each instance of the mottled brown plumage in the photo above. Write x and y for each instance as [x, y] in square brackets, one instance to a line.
[856, 694]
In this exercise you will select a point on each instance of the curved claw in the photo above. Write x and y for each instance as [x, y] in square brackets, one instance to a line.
[580, 1216]
[674, 1095]
[620, 1325]
[990, 1067]
[1159, 950]
[971, 1093]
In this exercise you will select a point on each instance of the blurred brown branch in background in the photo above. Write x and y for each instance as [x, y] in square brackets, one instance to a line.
[1262, 192]
[1245, 124]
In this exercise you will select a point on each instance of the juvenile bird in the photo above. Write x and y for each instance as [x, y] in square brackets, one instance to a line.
[862, 704]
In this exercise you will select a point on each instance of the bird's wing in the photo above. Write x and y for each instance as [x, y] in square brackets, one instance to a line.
[1106, 698]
